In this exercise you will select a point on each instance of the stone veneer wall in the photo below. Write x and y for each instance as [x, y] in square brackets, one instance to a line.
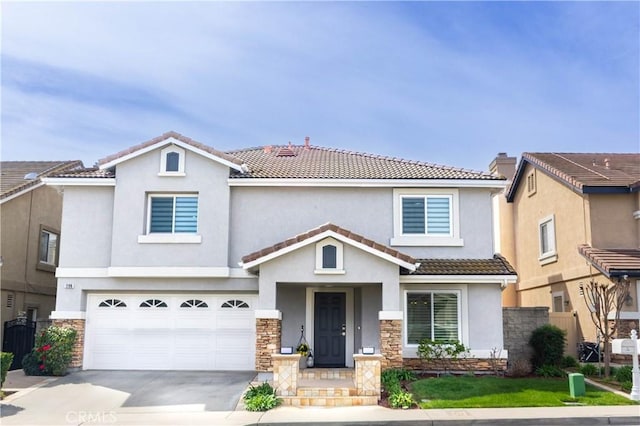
[368, 374]
[78, 346]
[517, 326]
[391, 343]
[461, 365]
[268, 334]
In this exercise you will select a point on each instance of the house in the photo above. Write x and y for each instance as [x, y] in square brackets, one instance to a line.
[30, 213]
[568, 218]
[180, 256]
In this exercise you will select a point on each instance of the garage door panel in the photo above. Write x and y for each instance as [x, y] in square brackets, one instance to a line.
[197, 336]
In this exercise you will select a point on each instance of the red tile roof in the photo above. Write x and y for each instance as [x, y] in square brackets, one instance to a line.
[319, 230]
[12, 173]
[496, 266]
[584, 172]
[613, 262]
[313, 162]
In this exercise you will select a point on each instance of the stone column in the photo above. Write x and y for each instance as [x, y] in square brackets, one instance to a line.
[268, 335]
[78, 346]
[286, 373]
[391, 338]
[368, 372]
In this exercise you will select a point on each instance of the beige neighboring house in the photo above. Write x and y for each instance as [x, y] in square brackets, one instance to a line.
[568, 218]
[30, 234]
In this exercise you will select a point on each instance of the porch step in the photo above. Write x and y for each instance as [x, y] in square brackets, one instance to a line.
[329, 401]
[326, 373]
[326, 388]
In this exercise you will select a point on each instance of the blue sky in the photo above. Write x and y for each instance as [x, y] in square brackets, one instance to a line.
[445, 82]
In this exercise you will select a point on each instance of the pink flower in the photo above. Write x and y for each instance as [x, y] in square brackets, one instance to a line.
[41, 366]
[46, 347]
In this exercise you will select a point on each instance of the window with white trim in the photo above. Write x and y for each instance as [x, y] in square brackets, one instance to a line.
[172, 161]
[194, 303]
[48, 249]
[153, 303]
[172, 214]
[547, 240]
[426, 217]
[235, 304]
[432, 315]
[329, 257]
[112, 303]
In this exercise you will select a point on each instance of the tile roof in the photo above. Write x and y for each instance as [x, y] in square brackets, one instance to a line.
[613, 262]
[12, 173]
[313, 162]
[319, 230]
[165, 136]
[92, 172]
[496, 266]
[584, 172]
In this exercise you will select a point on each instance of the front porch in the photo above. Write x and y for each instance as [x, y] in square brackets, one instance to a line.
[327, 387]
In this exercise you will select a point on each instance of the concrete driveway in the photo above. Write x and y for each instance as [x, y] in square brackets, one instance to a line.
[104, 396]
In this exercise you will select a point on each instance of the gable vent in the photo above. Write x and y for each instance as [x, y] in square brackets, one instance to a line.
[9, 300]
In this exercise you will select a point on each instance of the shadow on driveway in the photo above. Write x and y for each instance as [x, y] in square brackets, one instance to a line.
[216, 390]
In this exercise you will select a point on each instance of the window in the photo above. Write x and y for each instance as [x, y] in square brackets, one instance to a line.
[432, 315]
[235, 304]
[547, 235]
[194, 303]
[112, 303]
[153, 303]
[48, 249]
[558, 301]
[172, 161]
[426, 217]
[173, 214]
[329, 257]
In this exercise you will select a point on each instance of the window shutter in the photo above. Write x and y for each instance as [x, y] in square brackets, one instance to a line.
[418, 317]
[445, 316]
[438, 215]
[161, 214]
[186, 214]
[413, 215]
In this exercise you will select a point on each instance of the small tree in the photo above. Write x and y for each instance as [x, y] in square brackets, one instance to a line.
[603, 299]
[442, 353]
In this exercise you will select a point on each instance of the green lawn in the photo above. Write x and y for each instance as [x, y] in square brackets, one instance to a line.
[485, 392]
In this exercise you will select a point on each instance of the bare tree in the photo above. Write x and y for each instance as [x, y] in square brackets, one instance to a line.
[603, 299]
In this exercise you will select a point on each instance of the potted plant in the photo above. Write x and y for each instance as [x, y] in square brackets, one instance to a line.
[303, 350]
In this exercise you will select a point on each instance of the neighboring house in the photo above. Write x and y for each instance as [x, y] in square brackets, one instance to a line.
[179, 256]
[569, 218]
[30, 213]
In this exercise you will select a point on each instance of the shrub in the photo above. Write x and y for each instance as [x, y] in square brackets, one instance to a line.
[624, 374]
[626, 386]
[401, 399]
[520, 367]
[589, 370]
[6, 358]
[261, 398]
[31, 364]
[401, 374]
[52, 353]
[548, 345]
[549, 371]
[441, 352]
[569, 362]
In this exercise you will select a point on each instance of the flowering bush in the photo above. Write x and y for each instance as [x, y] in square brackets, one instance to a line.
[6, 358]
[303, 349]
[52, 354]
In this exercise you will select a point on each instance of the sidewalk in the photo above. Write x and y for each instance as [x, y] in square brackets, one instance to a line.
[18, 384]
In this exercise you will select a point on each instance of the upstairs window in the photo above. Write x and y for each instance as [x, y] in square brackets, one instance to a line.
[547, 238]
[172, 161]
[170, 214]
[48, 249]
[426, 217]
[329, 257]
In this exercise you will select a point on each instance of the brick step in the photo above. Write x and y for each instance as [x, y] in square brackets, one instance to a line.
[325, 391]
[329, 401]
[327, 373]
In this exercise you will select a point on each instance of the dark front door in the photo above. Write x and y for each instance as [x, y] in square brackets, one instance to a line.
[329, 330]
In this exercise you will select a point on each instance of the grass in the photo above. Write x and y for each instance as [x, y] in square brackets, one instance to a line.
[500, 392]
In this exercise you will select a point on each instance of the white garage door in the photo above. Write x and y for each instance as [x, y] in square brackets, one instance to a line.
[170, 332]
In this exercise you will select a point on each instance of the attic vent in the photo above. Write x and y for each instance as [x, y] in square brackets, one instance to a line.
[285, 151]
[9, 300]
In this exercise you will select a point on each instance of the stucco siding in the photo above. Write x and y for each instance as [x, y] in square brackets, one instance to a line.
[371, 305]
[280, 213]
[291, 302]
[87, 222]
[612, 222]
[485, 325]
[139, 177]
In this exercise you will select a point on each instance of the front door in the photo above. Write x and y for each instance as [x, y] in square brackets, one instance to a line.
[329, 329]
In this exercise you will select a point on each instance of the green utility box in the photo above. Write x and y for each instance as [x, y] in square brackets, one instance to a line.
[576, 385]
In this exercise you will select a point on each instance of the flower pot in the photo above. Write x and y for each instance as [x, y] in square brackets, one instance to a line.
[303, 362]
